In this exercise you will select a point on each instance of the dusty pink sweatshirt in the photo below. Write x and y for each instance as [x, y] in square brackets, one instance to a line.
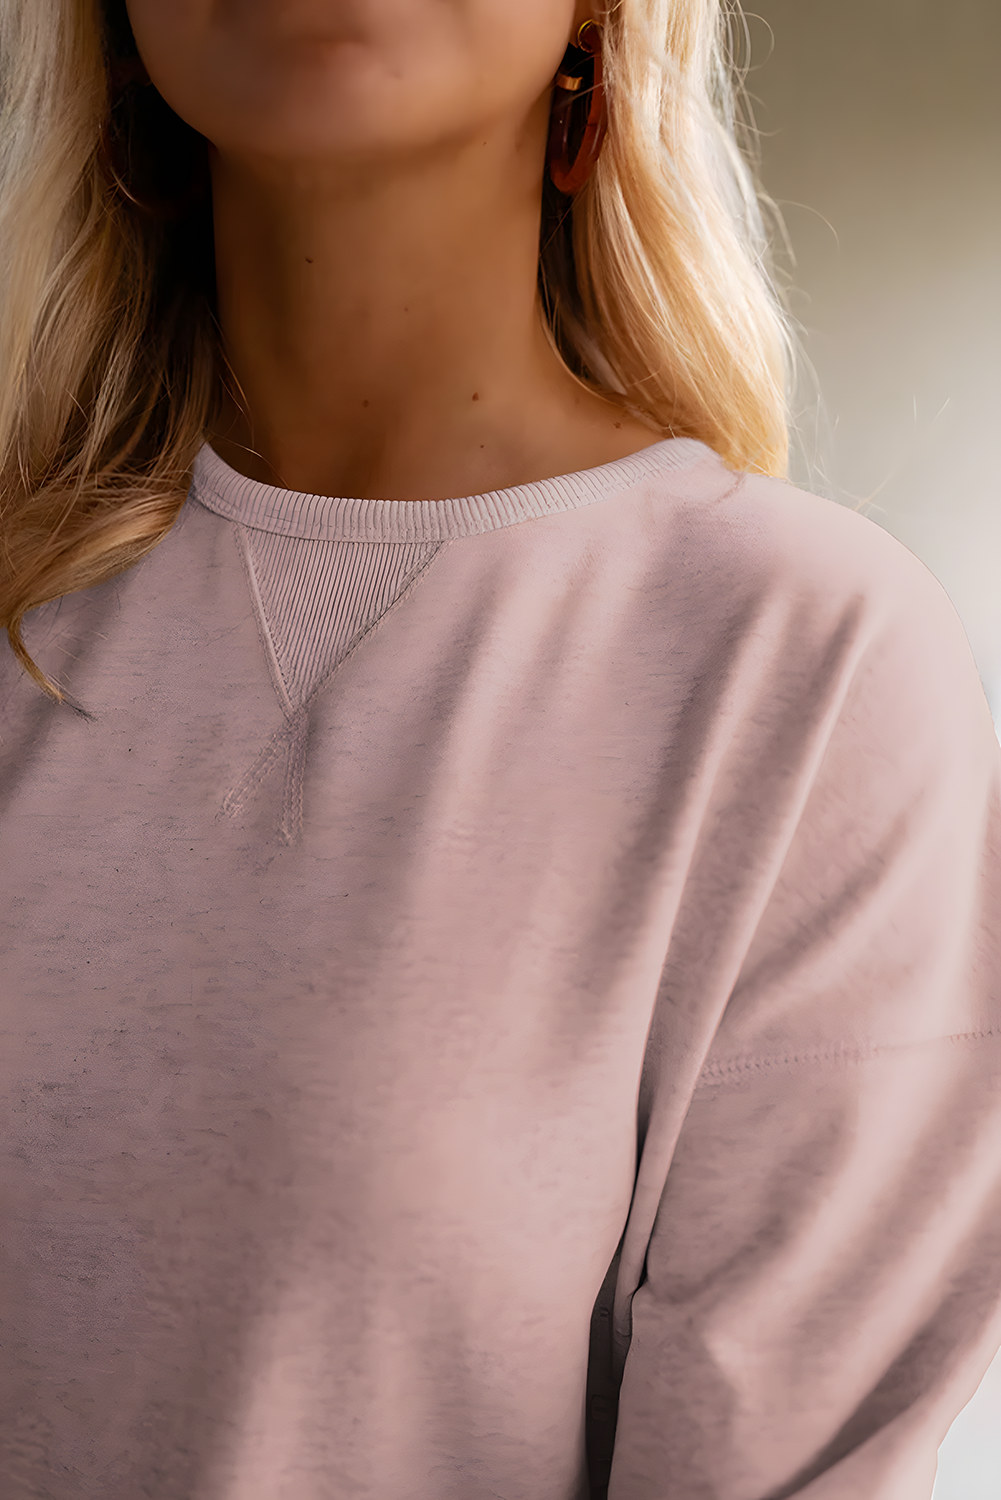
[501, 1000]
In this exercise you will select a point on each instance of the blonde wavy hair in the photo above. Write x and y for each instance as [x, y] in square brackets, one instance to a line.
[656, 284]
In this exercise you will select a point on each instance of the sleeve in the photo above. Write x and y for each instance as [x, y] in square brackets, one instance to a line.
[821, 1293]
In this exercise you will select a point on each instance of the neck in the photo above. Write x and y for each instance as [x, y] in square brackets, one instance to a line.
[387, 335]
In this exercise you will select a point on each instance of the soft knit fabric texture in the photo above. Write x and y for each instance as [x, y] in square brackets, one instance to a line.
[501, 1000]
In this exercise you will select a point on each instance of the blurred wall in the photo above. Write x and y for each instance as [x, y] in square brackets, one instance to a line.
[881, 128]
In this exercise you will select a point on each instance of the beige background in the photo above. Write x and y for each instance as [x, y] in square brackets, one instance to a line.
[881, 128]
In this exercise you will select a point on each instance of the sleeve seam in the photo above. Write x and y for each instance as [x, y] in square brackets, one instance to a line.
[733, 1069]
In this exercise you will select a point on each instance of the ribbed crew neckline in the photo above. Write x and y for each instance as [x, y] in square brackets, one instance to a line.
[266, 507]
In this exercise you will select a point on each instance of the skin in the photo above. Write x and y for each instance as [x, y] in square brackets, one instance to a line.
[377, 171]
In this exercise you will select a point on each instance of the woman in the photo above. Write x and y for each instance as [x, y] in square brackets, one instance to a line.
[502, 964]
